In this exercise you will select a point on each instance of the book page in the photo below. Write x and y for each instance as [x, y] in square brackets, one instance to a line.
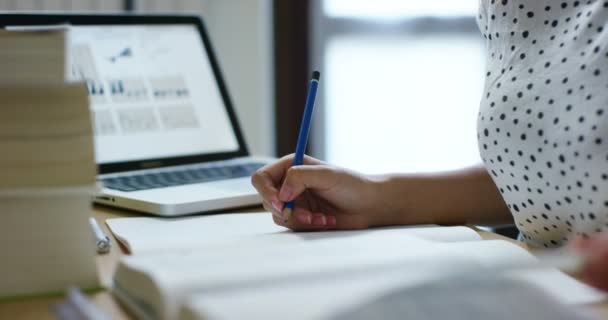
[456, 298]
[372, 262]
[143, 234]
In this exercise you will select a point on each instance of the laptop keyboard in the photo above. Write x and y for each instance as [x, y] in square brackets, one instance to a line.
[178, 177]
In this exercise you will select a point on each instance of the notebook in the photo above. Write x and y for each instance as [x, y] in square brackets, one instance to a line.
[167, 140]
[265, 273]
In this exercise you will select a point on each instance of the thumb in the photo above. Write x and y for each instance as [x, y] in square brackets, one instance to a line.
[299, 178]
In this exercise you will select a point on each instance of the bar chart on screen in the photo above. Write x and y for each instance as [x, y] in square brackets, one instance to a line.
[104, 123]
[96, 88]
[128, 90]
[137, 120]
[149, 83]
[178, 117]
[169, 88]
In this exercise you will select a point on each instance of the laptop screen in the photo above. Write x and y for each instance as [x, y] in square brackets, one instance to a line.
[153, 92]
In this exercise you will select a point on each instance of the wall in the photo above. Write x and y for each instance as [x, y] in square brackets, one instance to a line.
[241, 31]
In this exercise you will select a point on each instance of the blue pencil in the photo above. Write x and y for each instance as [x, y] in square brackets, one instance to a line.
[298, 159]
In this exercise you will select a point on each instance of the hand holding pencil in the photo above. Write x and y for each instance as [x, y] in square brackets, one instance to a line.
[325, 197]
[304, 193]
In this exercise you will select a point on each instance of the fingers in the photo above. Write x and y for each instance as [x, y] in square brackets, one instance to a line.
[276, 212]
[595, 271]
[264, 184]
[295, 180]
[300, 178]
[304, 220]
[267, 179]
[276, 170]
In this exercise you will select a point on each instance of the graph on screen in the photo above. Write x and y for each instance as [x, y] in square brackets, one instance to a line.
[153, 92]
[138, 120]
[114, 97]
[178, 117]
[169, 88]
[127, 90]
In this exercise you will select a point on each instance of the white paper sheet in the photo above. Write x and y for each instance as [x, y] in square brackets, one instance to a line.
[147, 234]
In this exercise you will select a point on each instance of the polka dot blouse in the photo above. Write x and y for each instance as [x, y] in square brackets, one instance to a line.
[543, 121]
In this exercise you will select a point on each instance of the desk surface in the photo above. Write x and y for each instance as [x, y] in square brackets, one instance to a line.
[39, 308]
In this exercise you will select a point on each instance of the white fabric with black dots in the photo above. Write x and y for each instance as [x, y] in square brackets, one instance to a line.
[543, 121]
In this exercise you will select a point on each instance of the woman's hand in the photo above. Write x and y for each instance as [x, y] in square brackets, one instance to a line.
[595, 270]
[326, 197]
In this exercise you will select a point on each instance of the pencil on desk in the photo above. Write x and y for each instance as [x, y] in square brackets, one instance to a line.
[298, 159]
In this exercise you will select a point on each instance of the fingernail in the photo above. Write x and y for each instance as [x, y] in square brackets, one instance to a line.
[331, 221]
[286, 193]
[277, 205]
[303, 218]
[318, 221]
[278, 214]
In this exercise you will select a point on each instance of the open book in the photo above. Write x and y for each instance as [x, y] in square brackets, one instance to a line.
[258, 273]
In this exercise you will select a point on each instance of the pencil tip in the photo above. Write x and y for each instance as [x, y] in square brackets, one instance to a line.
[316, 75]
[286, 214]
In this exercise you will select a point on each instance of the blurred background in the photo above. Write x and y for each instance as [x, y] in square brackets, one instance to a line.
[401, 80]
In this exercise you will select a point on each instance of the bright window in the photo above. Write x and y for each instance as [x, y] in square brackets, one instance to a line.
[382, 9]
[403, 98]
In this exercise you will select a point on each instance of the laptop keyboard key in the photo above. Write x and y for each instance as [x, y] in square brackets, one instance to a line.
[180, 177]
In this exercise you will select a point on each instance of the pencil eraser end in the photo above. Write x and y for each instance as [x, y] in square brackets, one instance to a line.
[316, 75]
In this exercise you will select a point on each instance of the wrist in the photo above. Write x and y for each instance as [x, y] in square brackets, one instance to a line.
[400, 200]
[386, 203]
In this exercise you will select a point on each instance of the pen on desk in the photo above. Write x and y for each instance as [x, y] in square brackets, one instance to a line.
[298, 159]
[102, 241]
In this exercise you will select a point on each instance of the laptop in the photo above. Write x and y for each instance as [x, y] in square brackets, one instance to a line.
[167, 140]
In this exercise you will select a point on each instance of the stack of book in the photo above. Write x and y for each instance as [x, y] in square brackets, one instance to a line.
[47, 168]
[35, 56]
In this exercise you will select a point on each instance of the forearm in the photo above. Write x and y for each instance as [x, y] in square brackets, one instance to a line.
[458, 197]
